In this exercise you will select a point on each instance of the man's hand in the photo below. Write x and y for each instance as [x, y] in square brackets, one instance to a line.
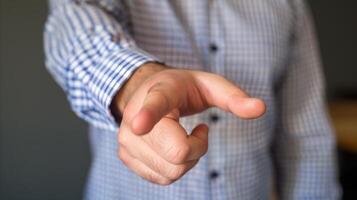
[152, 142]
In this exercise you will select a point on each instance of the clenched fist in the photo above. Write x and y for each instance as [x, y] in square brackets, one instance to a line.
[152, 142]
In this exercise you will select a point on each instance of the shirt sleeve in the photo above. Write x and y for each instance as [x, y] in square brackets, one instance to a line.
[90, 54]
[304, 148]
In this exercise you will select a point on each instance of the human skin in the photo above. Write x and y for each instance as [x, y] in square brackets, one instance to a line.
[152, 143]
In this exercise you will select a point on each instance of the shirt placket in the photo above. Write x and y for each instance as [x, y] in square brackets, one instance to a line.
[216, 49]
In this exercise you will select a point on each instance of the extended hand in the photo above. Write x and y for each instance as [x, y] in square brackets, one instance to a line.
[152, 142]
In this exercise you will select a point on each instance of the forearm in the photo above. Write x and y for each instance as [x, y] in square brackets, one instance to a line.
[91, 59]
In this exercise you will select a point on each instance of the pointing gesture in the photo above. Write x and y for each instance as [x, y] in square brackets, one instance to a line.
[152, 142]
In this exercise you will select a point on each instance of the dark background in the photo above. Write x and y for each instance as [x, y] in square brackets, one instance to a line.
[44, 151]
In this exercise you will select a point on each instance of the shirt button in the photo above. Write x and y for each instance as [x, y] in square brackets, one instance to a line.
[213, 175]
[214, 118]
[213, 48]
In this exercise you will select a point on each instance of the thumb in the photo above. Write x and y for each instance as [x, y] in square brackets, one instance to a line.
[159, 101]
[226, 95]
[198, 142]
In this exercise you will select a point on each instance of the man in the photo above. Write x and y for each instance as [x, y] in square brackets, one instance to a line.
[161, 70]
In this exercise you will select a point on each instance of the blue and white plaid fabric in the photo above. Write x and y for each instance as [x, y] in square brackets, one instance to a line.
[267, 47]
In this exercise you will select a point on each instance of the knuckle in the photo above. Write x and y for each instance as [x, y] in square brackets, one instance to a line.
[158, 139]
[165, 182]
[176, 172]
[122, 139]
[155, 164]
[150, 177]
[123, 157]
[153, 178]
[178, 154]
[155, 138]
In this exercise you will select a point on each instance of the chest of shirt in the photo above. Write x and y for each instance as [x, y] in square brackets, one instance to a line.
[228, 37]
[245, 41]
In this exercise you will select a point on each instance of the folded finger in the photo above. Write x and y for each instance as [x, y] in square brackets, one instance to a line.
[142, 170]
[143, 152]
[171, 141]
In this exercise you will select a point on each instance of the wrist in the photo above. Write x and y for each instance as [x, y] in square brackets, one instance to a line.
[122, 97]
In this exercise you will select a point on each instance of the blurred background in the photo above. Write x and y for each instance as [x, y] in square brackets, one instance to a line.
[44, 151]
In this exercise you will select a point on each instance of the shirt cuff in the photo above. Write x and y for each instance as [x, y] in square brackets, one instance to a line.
[117, 68]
